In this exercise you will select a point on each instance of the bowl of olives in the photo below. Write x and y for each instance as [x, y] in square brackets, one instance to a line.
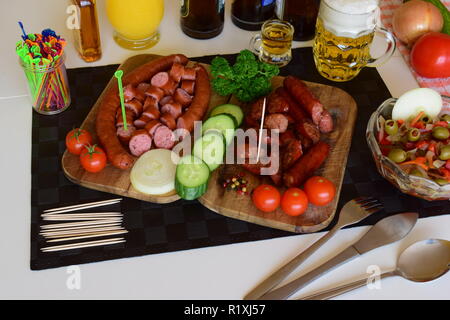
[411, 148]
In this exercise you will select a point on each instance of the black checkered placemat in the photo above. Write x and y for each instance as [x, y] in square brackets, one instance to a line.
[183, 225]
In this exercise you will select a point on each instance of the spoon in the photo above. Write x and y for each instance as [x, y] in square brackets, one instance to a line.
[422, 261]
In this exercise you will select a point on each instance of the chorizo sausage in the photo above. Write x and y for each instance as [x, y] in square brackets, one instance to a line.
[199, 104]
[306, 165]
[105, 119]
[304, 97]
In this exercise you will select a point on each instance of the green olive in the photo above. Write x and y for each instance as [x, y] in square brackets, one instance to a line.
[441, 182]
[445, 117]
[416, 172]
[425, 118]
[444, 153]
[413, 134]
[391, 127]
[397, 155]
[440, 133]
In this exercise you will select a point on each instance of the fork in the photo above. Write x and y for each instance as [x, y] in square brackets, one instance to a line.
[353, 211]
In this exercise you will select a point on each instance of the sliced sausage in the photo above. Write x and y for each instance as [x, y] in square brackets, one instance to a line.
[295, 110]
[125, 135]
[143, 86]
[291, 153]
[151, 127]
[150, 102]
[140, 142]
[165, 100]
[256, 109]
[160, 79]
[308, 129]
[155, 92]
[151, 112]
[173, 108]
[188, 86]
[182, 97]
[276, 121]
[286, 137]
[135, 106]
[164, 137]
[129, 117]
[129, 92]
[170, 87]
[168, 121]
[105, 122]
[306, 165]
[176, 72]
[141, 121]
[277, 103]
[199, 104]
[326, 122]
[189, 74]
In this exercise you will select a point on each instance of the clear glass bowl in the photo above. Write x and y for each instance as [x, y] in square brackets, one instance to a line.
[409, 184]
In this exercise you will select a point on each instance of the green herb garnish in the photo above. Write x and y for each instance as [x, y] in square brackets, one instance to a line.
[247, 79]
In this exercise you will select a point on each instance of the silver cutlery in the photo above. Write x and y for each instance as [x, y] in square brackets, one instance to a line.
[385, 231]
[410, 265]
[351, 213]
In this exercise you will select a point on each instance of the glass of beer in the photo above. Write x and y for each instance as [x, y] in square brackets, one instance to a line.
[273, 44]
[344, 31]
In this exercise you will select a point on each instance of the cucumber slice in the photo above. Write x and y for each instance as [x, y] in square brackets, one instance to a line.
[191, 177]
[210, 148]
[230, 109]
[222, 122]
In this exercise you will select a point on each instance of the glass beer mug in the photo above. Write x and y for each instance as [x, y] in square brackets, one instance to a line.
[344, 31]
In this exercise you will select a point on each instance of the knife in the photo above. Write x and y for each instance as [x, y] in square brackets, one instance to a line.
[384, 232]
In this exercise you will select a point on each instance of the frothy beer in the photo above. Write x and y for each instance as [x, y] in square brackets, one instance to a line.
[344, 31]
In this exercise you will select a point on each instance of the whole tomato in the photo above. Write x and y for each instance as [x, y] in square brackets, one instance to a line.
[320, 191]
[93, 158]
[266, 198]
[430, 56]
[294, 201]
[76, 139]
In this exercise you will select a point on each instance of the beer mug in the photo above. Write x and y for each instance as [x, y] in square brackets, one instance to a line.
[273, 44]
[344, 31]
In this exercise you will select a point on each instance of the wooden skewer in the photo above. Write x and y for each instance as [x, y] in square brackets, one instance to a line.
[83, 206]
[84, 214]
[107, 225]
[81, 219]
[83, 244]
[100, 234]
[75, 231]
[79, 234]
[261, 129]
[78, 224]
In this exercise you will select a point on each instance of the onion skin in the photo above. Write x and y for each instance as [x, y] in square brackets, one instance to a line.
[415, 18]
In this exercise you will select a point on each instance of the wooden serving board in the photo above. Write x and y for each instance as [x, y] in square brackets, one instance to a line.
[111, 179]
[228, 203]
[343, 108]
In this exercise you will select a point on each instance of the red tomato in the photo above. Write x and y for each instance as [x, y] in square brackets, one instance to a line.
[93, 158]
[266, 198]
[76, 139]
[430, 56]
[294, 201]
[320, 191]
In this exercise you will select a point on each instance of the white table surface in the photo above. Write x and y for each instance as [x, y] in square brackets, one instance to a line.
[223, 272]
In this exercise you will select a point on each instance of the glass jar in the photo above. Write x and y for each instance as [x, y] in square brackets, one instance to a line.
[48, 86]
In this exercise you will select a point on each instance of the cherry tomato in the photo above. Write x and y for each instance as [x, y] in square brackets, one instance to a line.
[320, 191]
[430, 55]
[266, 198]
[76, 139]
[294, 201]
[93, 158]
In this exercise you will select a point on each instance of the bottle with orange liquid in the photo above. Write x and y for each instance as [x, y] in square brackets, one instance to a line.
[87, 36]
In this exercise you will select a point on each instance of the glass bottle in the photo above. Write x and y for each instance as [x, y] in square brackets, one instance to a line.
[302, 14]
[86, 32]
[251, 14]
[202, 19]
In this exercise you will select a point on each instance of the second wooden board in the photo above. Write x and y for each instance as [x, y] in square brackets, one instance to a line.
[344, 109]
